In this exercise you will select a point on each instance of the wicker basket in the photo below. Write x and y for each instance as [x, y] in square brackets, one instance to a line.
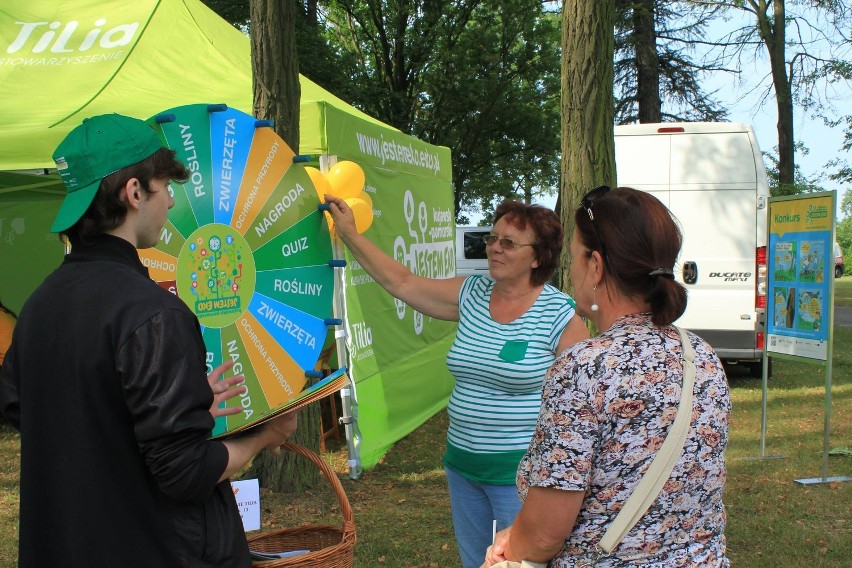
[331, 547]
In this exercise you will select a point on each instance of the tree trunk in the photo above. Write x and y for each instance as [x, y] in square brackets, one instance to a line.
[773, 31]
[588, 144]
[776, 46]
[647, 61]
[275, 68]
[311, 13]
[289, 472]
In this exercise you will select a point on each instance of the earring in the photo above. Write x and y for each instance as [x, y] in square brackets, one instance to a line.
[594, 306]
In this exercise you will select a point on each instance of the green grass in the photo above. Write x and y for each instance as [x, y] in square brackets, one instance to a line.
[843, 291]
[401, 507]
[10, 456]
[771, 520]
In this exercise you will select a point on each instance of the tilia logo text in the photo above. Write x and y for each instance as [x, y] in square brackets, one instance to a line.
[68, 37]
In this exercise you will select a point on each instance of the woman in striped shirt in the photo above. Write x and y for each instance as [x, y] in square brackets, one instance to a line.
[511, 327]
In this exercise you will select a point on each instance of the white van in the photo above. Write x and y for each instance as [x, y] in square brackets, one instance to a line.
[711, 176]
[470, 251]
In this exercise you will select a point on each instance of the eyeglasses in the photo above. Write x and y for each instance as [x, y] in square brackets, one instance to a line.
[505, 243]
[587, 202]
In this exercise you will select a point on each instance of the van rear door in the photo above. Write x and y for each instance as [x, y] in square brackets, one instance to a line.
[711, 177]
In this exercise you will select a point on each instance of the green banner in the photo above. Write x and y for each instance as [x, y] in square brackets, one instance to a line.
[376, 145]
[397, 356]
[28, 251]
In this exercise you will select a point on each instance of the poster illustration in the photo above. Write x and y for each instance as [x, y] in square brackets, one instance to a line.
[785, 306]
[809, 313]
[785, 261]
[812, 264]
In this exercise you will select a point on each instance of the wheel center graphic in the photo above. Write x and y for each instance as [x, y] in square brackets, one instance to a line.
[216, 274]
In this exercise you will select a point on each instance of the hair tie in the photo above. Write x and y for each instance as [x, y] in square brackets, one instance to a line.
[668, 273]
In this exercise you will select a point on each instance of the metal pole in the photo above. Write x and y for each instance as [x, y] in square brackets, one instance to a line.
[348, 398]
[827, 431]
[765, 384]
[763, 415]
[825, 478]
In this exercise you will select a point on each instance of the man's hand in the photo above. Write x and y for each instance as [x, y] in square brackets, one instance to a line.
[280, 428]
[269, 435]
[225, 389]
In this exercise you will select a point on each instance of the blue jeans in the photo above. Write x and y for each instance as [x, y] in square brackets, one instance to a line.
[474, 507]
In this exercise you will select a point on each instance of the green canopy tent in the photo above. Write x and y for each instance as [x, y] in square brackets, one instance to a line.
[28, 251]
[62, 61]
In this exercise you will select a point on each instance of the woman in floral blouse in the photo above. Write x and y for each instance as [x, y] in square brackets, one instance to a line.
[609, 403]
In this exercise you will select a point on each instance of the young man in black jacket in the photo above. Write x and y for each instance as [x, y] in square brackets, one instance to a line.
[106, 381]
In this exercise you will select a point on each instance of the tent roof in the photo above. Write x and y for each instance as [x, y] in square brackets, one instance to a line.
[11, 182]
[62, 61]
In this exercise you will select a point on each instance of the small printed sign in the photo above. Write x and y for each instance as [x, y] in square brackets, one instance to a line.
[247, 494]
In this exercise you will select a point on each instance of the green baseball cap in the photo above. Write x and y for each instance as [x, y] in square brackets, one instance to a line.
[100, 146]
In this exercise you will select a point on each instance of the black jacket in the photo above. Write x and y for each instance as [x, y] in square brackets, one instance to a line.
[106, 381]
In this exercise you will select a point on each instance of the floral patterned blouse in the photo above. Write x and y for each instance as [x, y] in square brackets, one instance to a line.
[607, 405]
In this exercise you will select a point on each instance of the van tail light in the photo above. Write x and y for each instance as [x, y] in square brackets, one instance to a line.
[760, 286]
[760, 293]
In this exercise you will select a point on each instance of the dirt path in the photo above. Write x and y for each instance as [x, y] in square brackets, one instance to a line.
[843, 316]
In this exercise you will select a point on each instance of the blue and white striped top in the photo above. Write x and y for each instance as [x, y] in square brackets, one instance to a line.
[499, 369]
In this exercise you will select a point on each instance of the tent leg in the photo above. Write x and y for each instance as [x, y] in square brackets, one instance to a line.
[348, 398]
[350, 425]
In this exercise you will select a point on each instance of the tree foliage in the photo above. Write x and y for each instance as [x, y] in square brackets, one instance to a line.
[801, 182]
[317, 59]
[657, 72]
[478, 76]
[844, 228]
[482, 78]
[844, 175]
[234, 11]
[806, 66]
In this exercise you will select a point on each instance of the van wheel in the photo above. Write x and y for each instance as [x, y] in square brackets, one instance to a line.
[756, 369]
[838, 272]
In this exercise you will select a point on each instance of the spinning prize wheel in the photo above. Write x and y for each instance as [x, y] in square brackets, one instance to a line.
[247, 249]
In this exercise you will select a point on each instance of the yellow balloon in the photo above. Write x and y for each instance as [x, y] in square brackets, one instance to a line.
[346, 179]
[362, 209]
[320, 182]
[366, 197]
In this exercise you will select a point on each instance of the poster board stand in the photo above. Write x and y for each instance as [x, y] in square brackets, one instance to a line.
[800, 309]
[763, 415]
